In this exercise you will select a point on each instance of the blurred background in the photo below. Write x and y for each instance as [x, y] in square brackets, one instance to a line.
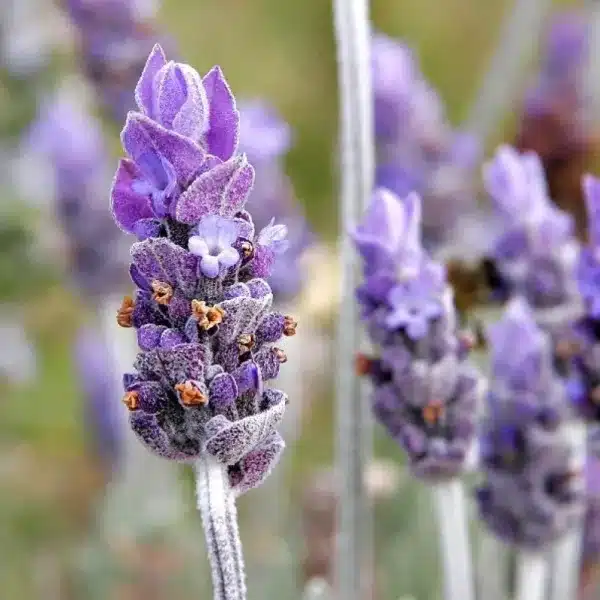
[72, 522]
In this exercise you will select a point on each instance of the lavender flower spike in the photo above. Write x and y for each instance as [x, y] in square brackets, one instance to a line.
[531, 496]
[202, 310]
[425, 394]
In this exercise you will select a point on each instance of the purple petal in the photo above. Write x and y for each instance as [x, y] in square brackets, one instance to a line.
[145, 86]
[191, 119]
[149, 336]
[141, 136]
[128, 207]
[224, 119]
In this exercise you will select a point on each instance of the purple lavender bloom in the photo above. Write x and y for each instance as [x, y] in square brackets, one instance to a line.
[202, 309]
[114, 41]
[72, 142]
[417, 148]
[95, 378]
[425, 394]
[265, 138]
[588, 271]
[562, 60]
[530, 496]
[536, 252]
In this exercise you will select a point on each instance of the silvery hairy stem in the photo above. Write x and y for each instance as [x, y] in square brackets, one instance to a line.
[354, 423]
[532, 575]
[216, 503]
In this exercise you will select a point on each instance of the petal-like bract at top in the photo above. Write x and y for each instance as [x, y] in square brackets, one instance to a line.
[221, 137]
[222, 190]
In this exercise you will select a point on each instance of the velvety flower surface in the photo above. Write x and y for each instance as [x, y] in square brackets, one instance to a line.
[535, 253]
[425, 394]
[530, 495]
[203, 308]
[417, 148]
[266, 138]
[71, 141]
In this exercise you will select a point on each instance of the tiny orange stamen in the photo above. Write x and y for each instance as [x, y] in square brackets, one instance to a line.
[131, 400]
[433, 412]
[163, 292]
[190, 394]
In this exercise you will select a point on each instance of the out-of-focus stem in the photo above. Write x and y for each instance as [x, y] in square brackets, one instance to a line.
[566, 555]
[532, 576]
[451, 508]
[354, 422]
[518, 40]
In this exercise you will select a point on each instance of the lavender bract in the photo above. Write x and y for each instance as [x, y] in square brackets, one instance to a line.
[202, 310]
[425, 394]
[417, 148]
[530, 495]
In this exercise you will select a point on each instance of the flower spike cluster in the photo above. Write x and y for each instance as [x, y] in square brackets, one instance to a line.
[531, 494]
[425, 394]
[536, 252]
[202, 309]
[417, 148]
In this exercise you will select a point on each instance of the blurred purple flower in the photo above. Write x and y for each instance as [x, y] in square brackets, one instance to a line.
[417, 148]
[71, 140]
[100, 409]
[115, 37]
[266, 138]
[530, 496]
[425, 394]
[535, 252]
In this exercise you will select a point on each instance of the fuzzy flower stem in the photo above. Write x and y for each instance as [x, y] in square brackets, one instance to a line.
[354, 443]
[518, 39]
[492, 568]
[532, 575]
[216, 504]
[451, 508]
[566, 554]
